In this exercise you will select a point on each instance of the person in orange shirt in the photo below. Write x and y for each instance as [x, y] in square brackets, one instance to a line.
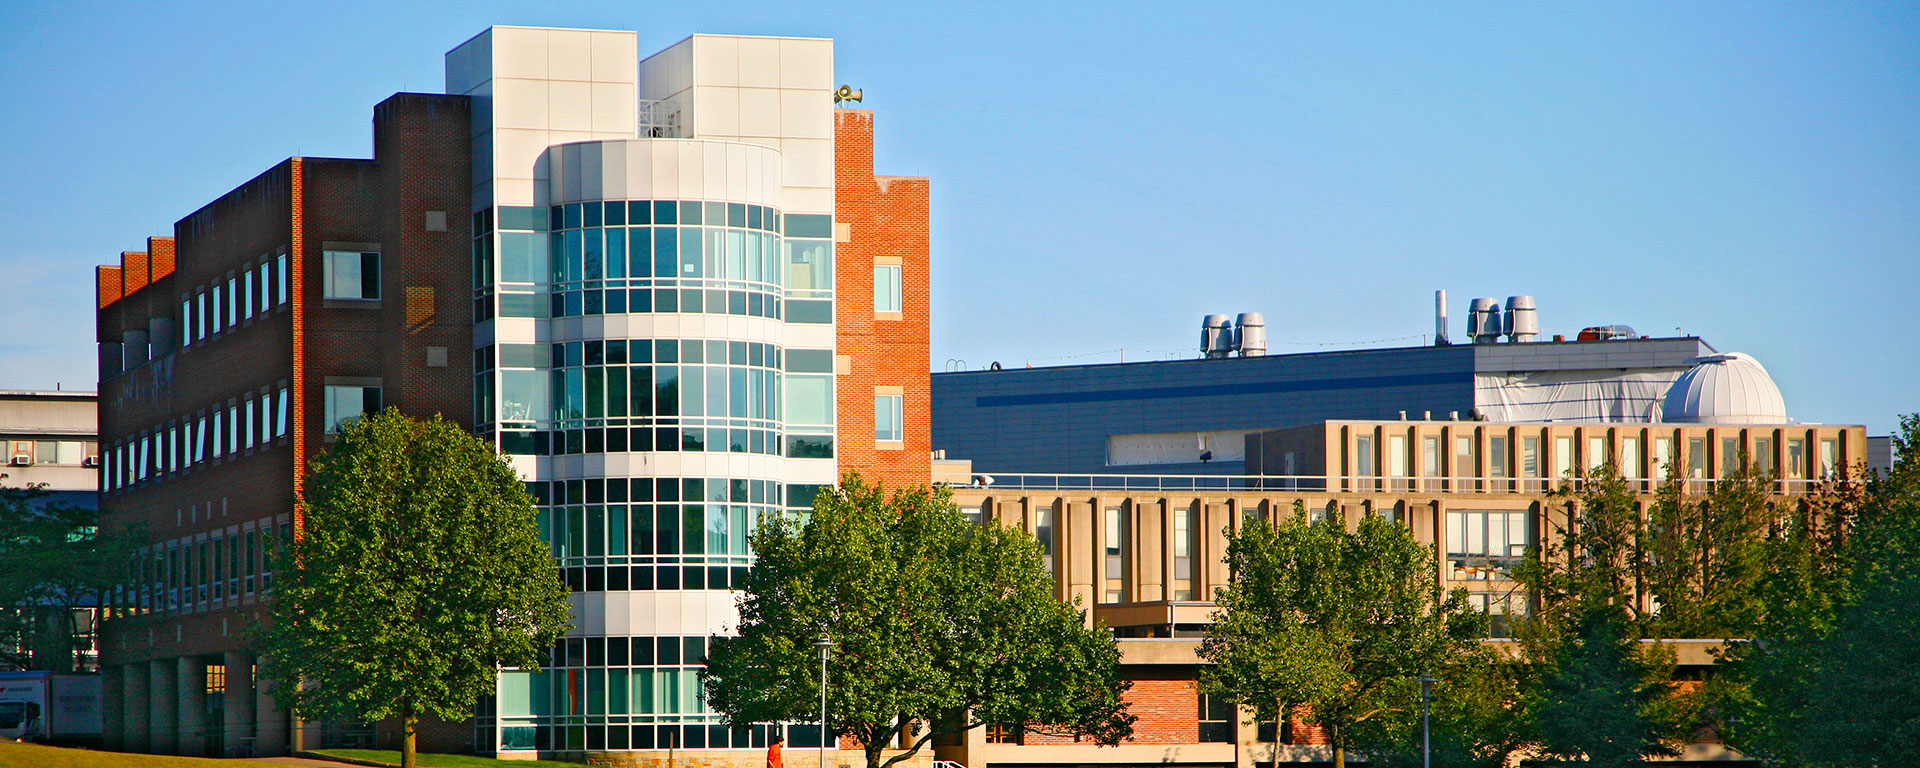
[773, 752]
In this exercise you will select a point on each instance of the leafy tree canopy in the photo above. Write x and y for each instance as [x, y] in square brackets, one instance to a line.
[940, 625]
[417, 571]
[1833, 676]
[1339, 621]
[54, 558]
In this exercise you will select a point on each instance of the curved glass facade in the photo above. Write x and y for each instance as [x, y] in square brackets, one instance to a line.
[661, 346]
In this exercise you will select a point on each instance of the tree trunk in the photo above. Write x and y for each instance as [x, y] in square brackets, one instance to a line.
[1339, 756]
[409, 725]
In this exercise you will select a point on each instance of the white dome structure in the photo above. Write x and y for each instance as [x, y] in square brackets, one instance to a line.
[1729, 388]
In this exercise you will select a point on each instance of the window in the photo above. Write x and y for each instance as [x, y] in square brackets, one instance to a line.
[1363, 464]
[1796, 457]
[1729, 456]
[216, 322]
[1216, 719]
[233, 302]
[886, 288]
[1397, 455]
[1483, 544]
[1763, 455]
[1596, 451]
[1829, 458]
[246, 294]
[887, 417]
[1630, 457]
[808, 399]
[1043, 530]
[1430, 456]
[1114, 574]
[1663, 456]
[1562, 456]
[280, 414]
[218, 446]
[284, 276]
[1497, 456]
[186, 322]
[352, 275]
[1530, 456]
[1183, 528]
[347, 402]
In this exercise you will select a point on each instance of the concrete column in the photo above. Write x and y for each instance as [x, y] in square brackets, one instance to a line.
[163, 707]
[1149, 551]
[1077, 554]
[191, 679]
[112, 701]
[134, 707]
[240, 705]
[270, 721]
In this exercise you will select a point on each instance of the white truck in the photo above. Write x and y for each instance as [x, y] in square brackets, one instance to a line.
[49, 707]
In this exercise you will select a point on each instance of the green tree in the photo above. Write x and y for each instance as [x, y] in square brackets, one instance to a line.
[417, 572]
[1601, 697]
[1705, 556]
[1597, 693]
[1338, 622]
[55, 561]
[1474, 700]
[940, 625]
[1835, 681]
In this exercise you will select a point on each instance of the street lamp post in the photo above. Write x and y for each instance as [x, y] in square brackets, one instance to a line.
[1426, 720]
[824, 644]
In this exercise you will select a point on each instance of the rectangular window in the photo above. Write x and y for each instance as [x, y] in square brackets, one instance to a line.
[1597, 453]
[351, 275]
[809, 265]
[1497, 456]
[218, 307]
[1043, 530]
[1530, 456]
[1397, 455]
[285, 276]
[186, 322]
[246, 293]
[1696, 457]
[1216, 719]
[218, 447]
[1729, 456]
[1796, 458]
[1630, 457]
[808, 400]
[886, 288]
[1763, 454]
[280, 414]
[200, 317]
[1829, 458]
[1663, 456]
[1562, 456]
[347, 402]
[1114, 574]
[1430, 456]
[233, 302]
[1183, 576]
[1363, 459]
[1483, 544]
[887, 417]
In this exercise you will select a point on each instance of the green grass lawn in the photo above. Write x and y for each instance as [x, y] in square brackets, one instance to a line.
[16, 755]
[435, 760]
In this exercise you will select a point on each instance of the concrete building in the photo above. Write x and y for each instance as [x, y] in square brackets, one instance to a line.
[1145, 551]
[51, 439]
[672, 290]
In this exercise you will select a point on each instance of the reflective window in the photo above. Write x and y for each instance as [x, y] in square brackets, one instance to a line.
[351, 274]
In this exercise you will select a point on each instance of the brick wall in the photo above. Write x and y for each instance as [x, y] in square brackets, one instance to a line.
[884, 219]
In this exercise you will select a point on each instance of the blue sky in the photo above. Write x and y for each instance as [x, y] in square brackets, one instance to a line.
[1105, 174]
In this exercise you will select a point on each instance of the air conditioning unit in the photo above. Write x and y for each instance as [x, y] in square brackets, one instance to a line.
[22, 460]
[90, 461]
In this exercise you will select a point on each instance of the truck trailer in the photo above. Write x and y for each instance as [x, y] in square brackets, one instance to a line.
[50, 708]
